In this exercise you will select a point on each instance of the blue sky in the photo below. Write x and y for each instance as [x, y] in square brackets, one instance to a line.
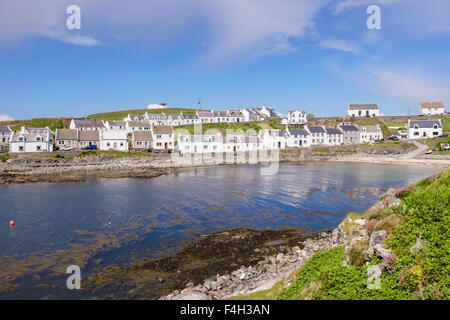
[312, 55]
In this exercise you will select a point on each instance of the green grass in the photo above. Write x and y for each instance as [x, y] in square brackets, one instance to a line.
[221, 127]
[425, 210]
[435, 143]
[120, 115]
[270, 294]
[320, 150]
[389, 145]
[120, 154]
[5, 157]
[374, 121]
[52, 123]
[395, 124]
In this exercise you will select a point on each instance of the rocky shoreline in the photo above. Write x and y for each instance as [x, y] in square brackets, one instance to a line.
[262, 275]
[361, 239]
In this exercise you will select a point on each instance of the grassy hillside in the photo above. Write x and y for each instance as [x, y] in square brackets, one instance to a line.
[53, 123]
[119, 115]
[424, 210]
[223, 127]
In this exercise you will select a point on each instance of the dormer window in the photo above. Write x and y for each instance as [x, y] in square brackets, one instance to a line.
[416, 126]
[435, 126]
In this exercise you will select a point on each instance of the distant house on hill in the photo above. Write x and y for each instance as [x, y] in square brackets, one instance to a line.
[157, 106]
[431, 108]
[363, 110]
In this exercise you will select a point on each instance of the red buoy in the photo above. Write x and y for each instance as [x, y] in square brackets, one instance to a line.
[11, 223]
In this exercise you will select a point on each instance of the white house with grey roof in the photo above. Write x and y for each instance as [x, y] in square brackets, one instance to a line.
[222, 117]
[335, 137]
[296, 117]
[370, 133]
[318, 135]
[298, 138]
[363, 110]
[431, 108]
[36, 140]
[5, 135]
[163, 137]
[189, 118]
[86, 124]
[275, 139]
[114, 140]
[351, 133]
[202, 143]
[423, 129]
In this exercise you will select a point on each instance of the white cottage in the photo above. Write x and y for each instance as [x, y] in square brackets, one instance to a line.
[36, 140]
[200, 143]
[423, 129]
[298, 138]
[431, 108]
[114, 140]
[335, 137]
[370, 133]
[163, 137]
[363, 110]
[296, 117]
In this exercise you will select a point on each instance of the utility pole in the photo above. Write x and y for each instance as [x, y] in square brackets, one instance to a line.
[199, 102]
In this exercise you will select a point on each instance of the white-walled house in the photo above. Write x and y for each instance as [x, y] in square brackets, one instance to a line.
[335, 137]
[236, 116]
[296, 117]
[38, 140]
[157, 119]
[222, 117]
[351, 133]
[431, 108]
[298, 138]
[318, 135]
[370, 133]
[114, 140]
[138, 125]
[189, 118]
[142, 139]
[363, 110]
[174, 119]
[116, 125]
[200, 143]
[275, 139]
[5, 135]
[423, 129]
[87, 124]
[206, 116]
[163, 137]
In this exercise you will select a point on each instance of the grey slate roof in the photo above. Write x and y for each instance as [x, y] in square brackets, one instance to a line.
[348, 128]
[5, 129]
[221, 114]
[66, 134]
[89, 123]
[298, 132]
[333, 131]
[316, 129]
[89, 135]
[425, 123]
[363, 107]
[190, 116]
[142, 135]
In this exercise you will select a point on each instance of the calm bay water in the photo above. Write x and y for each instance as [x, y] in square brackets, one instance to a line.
[106, 221]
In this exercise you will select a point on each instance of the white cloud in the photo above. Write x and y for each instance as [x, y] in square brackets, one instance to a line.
[408, 85]
[229, 27]
[5, 117]
[347, 4]
[341, 45]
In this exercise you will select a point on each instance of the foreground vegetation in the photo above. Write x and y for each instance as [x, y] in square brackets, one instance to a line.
[389, 145]
[424, 212]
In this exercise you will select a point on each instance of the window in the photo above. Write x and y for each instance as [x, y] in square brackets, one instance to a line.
[20, 148]
[38, 148]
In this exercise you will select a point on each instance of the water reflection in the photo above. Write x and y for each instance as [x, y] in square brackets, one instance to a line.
[108, 220]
